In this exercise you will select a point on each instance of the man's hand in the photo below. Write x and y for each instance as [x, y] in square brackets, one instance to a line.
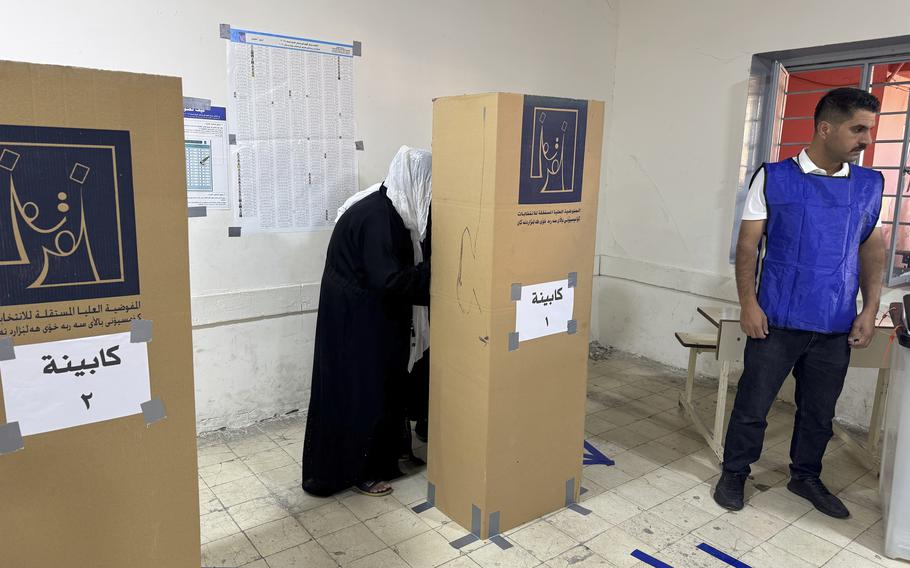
[753, 321]
[863, 329]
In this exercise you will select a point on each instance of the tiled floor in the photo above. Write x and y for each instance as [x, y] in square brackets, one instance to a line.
[655, 499]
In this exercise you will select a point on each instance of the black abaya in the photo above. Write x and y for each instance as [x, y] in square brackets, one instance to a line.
[363, 327]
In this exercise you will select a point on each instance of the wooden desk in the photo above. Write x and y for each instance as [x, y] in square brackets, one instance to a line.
[731, 342]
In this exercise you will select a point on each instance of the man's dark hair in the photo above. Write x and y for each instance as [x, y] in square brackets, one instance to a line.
[840, 104]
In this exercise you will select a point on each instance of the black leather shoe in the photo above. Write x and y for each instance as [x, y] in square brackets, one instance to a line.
[729, 490]
[815, 491]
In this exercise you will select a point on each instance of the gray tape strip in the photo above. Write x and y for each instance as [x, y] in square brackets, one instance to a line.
[7, 350]
[513, 341]
[198, 211]
[233, 231]
[431, 493]
[225, 31]
[232, 139]
[425, 506]
[570, 491]
[140, 331]
[573, 279]
[494, 523]
[475, 520]
[516, 292]
[153, 411]
[198, 104]
[572, 327]
[579, 509]
[358, 49]
[464, 541]
[10, 438]
[499, 541]
[358, 144]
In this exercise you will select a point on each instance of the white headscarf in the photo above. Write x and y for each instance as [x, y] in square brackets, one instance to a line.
[409, 188]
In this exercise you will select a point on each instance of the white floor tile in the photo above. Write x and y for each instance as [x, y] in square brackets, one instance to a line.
[812, 549]
[327, 519]
[491, 556]
[235, 550]
[350, 544]
[257, 512]
[240, 491]
[277, 536]
[397, 526]
[427, 550]
[543, 540]
[309, 555]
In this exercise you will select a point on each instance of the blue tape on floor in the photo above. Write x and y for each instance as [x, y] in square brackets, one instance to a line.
[426, 506]
[464, 541]
[722, 556]
[648, 559]
[500, 542]
[579, 509]
[593, 456]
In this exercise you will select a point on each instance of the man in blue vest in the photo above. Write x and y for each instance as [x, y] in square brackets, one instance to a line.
[810, 240]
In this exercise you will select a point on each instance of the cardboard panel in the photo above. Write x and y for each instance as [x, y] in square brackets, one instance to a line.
[113, 493]
[507, 425]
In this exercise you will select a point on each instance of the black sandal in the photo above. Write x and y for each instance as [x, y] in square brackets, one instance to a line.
[367, 488]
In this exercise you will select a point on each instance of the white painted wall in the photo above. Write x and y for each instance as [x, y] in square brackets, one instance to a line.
[254, 297]
[675, 144]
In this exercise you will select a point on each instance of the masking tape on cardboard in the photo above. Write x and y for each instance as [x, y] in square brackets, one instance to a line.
[573, 279]
[197, 211]
[153, 411]
[572, 327]
[516, 292]
[7, 349]
[513, 341]
[10, 438]
[140, 331]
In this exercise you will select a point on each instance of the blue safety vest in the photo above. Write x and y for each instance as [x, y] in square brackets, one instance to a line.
[808, 277]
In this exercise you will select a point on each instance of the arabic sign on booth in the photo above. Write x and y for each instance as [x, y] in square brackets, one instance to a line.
[61, 384]
[544, 309]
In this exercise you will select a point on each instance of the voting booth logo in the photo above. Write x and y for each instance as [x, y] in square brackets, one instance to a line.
[67, 218]
[552, 150]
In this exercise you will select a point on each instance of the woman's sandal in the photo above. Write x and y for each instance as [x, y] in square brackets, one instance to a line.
[369, 488]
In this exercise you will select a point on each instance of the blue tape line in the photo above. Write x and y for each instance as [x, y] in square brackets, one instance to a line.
[593, 456]
[426, 506]
[464, 541]
[579, 509]
[722, 556]
[499, 541]
[648, 559]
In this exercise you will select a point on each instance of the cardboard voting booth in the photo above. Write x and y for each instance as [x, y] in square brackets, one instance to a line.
[97, 421]
[515, 184]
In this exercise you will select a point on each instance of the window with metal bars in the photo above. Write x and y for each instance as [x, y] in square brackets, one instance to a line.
[784, 90]
[890, 82]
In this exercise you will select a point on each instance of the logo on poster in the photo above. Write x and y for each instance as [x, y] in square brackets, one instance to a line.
[67, 220]
[552, 150]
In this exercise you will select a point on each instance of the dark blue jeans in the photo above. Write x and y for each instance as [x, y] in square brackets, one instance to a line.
[819, 363]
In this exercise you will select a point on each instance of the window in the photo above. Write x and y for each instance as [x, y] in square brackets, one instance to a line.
[786, 86]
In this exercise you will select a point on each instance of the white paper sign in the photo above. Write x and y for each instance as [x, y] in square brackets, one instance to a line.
[544, 309]
[61, 384]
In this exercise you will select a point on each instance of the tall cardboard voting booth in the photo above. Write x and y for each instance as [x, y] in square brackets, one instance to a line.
[97, 422]
[515, 184]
